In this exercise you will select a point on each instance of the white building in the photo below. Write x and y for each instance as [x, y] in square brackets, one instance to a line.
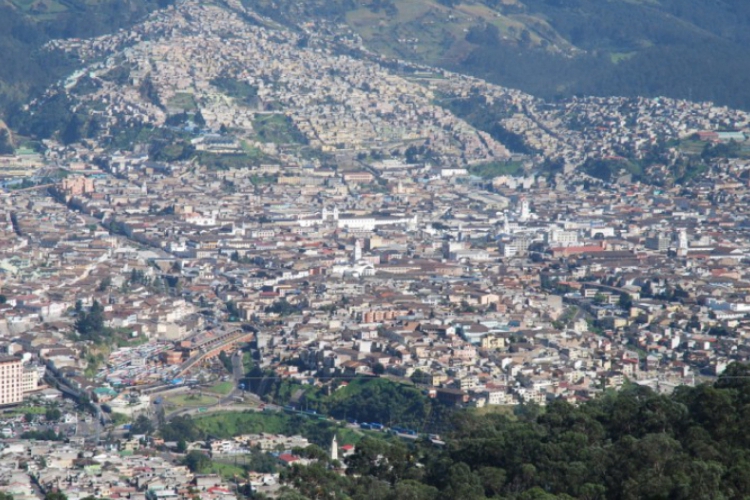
[561, 237]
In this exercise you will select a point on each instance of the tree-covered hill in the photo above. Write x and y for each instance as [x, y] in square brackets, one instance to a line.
[697, 49]
[632, 444]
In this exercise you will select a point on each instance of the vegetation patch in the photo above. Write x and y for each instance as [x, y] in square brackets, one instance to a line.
[242, 92]
[496, 168]
[192, 400]
[183, 101]
[362, 399]
[277, 129]
[225, 425]
[222, 388]
[215, 161]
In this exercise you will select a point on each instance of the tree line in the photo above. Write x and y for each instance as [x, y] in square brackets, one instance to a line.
[622, 445]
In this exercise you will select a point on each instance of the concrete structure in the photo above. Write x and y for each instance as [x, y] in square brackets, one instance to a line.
[11, 380]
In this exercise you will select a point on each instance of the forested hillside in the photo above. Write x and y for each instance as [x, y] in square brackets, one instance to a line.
[697, 50]
[26, 25]
[632, 444]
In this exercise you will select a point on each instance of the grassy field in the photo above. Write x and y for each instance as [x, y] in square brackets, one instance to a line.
[23, 410]
[232, 423]
[227, 471]
[690, 146]
[695, 147]
[496, 169]
[617, 57]
[119, 418]
[277, 129]
[236, 423]
[436, 31]
[253, 153]
[506, 410]
[222, 388]
[183, 101]
[43, 9]
[191, 400]
[214, 161]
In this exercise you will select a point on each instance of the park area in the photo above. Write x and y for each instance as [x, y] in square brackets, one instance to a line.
[192, 400]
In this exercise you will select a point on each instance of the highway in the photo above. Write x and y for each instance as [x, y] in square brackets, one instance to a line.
[86, 429]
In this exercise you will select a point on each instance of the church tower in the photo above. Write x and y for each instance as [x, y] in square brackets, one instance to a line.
[682, 243]
[334, 448]
[524, 209]
[357, 251]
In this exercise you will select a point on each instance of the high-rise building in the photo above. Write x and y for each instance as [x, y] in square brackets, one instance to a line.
[11, 380]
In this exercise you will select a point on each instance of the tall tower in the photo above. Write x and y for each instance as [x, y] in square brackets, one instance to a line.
[357, 250]
[524, 209]
[682, 240]
[325, 214]
[335, 213]
[334, 448]
[413, 224]
[682, 243]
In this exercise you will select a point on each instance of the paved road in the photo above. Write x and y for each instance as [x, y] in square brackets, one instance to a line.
[238, 399]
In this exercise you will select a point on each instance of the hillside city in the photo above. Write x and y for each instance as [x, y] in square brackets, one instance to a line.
[317, 213]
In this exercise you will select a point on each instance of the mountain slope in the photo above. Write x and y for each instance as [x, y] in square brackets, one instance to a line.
[555, 48]
[25, 26]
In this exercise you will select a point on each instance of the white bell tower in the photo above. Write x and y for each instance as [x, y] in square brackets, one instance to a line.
[334, 448]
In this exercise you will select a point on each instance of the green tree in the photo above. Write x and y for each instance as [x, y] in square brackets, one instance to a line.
[199, 120]
[6, 145]
[181, 427]
[73, 131]
[315, 481]
[462, 483]
[90, 326]
[196, 461]
[493, 480]
[181, 446]
[52, 414]
[625, 301]
[226, 361]
[142, 425]
[413, 490]
[55, 495]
